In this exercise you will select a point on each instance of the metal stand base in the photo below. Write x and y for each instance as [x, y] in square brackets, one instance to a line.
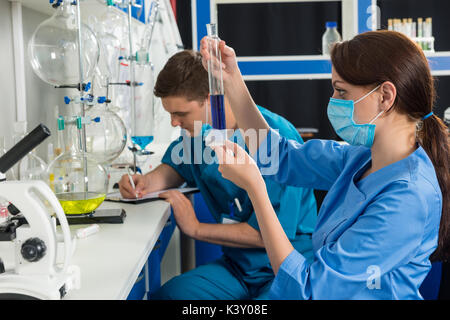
[114, 216]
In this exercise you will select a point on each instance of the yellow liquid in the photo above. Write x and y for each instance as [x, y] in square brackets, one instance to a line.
[80, 202]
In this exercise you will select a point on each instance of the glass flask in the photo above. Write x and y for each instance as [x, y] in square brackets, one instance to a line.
[78, 180]
[115, 22]
[10, 174]
[30, 167]
[53, 48]
[110, 49]
[106, 137]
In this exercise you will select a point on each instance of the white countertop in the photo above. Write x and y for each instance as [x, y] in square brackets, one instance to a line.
[111, 260]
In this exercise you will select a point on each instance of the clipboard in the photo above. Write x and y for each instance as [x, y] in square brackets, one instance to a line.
[152, 196]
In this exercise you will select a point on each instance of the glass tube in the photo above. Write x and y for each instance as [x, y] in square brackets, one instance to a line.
[215, 79]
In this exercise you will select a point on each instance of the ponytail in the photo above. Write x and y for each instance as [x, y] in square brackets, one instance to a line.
[433, 137]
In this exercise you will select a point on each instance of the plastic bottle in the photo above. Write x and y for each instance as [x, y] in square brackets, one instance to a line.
[330, 36]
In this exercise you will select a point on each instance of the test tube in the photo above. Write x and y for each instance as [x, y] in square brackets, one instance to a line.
[409, 27]
[60, 142]
[428, 33]
[216, 91]
[420, 30]
[397, 25]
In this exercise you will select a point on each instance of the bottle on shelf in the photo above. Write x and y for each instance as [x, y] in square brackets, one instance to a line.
[330, 37]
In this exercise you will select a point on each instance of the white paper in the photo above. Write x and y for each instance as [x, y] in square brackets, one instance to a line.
[116, 196]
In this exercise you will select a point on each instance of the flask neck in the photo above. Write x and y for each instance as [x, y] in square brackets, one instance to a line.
[66, 14]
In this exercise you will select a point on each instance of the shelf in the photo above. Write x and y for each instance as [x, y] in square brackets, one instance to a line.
[267, 1]
[356, 14]
[302, 67]
[315, 66]
[285, 67]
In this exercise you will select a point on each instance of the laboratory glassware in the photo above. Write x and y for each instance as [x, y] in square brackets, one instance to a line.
[144, 104]
[143, 93]
[78, 180]
[107, 69]
[215, 78]
[31, 166]
[106, 135]
[114, 21]
[10, 174]
[216, 118]
[54, 52]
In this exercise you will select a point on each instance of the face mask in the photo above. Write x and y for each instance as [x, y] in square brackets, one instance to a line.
[340, 114]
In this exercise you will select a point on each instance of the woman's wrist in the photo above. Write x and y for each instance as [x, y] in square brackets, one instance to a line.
[233, 79]
[256, 188]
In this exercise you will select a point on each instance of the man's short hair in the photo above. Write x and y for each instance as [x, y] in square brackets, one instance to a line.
[183, 76]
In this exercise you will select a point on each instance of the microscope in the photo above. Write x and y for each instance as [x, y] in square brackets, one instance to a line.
[29, 237]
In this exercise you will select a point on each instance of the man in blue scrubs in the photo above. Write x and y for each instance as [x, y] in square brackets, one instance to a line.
[244, 271]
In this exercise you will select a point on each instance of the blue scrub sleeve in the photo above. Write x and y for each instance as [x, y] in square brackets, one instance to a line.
[387, 235]
[315, 164]
[174, 158]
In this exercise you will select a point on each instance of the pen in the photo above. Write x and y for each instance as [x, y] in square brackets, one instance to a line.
[132, 184]
[238, 204]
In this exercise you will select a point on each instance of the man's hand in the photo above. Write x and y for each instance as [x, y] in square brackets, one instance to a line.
[126, 189]
[183, 211]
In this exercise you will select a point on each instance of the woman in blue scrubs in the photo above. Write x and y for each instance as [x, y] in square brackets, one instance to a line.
[386, 213]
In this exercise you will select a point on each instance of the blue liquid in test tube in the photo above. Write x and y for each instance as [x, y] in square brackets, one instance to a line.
[218, 111]
[216, 90]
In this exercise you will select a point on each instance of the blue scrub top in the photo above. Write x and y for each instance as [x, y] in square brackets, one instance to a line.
[374, 236]
[296, 207]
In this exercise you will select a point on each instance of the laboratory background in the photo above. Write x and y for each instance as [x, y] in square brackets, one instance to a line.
[78, 112]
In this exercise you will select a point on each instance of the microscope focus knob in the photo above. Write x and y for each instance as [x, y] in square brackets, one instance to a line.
[33, 249]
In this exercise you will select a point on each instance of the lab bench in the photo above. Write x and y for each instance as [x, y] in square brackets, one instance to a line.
[122, 261]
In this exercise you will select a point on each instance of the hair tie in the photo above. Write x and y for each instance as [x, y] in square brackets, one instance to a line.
[427, 116]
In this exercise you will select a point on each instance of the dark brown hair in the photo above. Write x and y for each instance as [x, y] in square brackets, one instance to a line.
[183, 75]
[374, 57]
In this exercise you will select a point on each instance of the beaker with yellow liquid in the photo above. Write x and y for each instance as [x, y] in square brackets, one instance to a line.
[80, 202]
[79, 182]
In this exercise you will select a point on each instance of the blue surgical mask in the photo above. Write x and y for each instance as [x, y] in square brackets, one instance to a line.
[340, 114]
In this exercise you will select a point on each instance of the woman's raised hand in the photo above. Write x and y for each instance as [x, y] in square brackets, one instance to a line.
[229, 63]
[236, 165]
